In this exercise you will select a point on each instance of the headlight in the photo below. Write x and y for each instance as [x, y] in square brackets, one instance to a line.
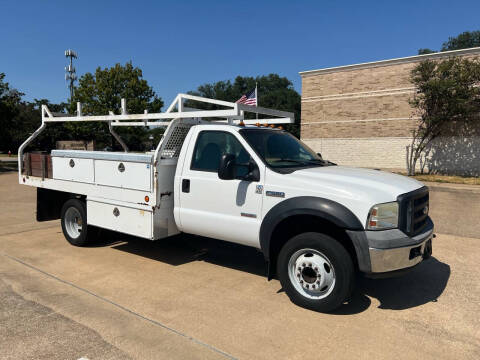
[383, 216]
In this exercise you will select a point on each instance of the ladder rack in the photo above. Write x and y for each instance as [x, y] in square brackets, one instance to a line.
[233, 111]
[175, 113]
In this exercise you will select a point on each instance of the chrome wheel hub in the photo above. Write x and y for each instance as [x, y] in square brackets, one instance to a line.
[73, 222]
[311, 273]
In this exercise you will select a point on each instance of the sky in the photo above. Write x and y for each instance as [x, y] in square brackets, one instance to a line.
[180, 45]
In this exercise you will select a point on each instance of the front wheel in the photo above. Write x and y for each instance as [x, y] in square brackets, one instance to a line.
[316, 271]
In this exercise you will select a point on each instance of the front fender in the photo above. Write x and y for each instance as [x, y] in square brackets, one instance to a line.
[306, 205]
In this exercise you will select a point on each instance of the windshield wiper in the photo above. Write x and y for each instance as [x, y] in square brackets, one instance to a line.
[302, 162]
[290, 160]
[320, 162]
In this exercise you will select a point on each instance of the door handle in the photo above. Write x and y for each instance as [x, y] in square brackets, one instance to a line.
[186, 185]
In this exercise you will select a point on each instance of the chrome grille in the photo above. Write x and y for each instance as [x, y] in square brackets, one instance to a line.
[413, 208]
[419, 214]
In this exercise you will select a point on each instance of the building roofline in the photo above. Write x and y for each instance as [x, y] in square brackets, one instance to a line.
[408, 59]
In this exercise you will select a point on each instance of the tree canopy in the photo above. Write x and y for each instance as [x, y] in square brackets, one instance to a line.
[9, 101]
[19, 118]
[102, 92]
[425, 51]
[274, 92]
[447, 102]
[465, 40]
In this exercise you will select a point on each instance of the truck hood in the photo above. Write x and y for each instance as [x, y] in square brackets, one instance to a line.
[369, 186]
[355, 188]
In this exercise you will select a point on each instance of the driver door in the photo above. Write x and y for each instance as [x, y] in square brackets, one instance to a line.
[222, 209]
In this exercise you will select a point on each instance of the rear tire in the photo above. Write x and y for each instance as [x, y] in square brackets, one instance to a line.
[74, 223]
[316, 271]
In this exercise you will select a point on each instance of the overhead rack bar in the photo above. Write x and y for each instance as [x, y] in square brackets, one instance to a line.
[233, 113]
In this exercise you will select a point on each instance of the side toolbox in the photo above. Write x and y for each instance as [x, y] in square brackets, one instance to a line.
[129, 175]
[120, 217]
[73, 169]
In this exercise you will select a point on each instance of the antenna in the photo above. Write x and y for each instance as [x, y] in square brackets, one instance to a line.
[70, 74]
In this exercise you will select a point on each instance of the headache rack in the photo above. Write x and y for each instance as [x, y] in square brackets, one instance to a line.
[178, 119]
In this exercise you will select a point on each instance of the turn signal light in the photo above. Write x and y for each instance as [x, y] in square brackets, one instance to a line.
[147, 199]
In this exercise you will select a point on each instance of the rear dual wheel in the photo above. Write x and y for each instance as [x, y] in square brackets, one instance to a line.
[316, 271]
[74, 223]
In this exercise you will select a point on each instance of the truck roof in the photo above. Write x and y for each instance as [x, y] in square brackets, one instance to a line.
[239, 127]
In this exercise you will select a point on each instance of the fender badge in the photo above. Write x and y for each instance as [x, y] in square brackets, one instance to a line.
[259, 189]
[275, 194]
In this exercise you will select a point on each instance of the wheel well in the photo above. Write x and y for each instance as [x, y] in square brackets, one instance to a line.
[298, 224]
[50, 203]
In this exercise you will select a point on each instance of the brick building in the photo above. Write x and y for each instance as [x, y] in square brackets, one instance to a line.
[359, 115]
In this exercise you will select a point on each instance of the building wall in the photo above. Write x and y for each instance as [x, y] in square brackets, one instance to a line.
[383, 152]
[360, 115]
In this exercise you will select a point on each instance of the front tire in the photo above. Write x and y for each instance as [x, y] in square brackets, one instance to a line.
[316, 271]
[74, 222]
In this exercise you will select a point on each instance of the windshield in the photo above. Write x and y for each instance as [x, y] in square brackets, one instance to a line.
[280, 149]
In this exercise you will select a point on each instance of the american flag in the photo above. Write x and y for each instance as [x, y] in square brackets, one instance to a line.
[248, 99]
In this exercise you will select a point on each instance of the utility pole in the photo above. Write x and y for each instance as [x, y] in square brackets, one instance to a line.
[70, 74]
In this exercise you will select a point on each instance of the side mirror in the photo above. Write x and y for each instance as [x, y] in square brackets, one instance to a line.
[226, 170]
[253, 172]
[320, 156]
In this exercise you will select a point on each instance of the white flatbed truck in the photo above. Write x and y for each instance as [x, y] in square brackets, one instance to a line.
[216, 174]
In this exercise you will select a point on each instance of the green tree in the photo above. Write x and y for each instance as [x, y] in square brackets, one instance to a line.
[9, 100]
[273, 92]
[425, 51]
[23, 118]
[465, 40]
[102, 92]
[29, 119]
[447, 102]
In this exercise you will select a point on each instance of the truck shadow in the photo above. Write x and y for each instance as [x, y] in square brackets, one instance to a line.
[422, 285]
[183, 249]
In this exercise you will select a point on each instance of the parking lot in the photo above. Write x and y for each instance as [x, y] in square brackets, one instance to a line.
[191, 297]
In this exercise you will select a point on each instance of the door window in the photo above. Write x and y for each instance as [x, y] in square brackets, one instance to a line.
[212, 145]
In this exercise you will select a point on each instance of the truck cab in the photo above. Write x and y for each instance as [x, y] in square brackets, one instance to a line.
[316, 223]
[262, 187]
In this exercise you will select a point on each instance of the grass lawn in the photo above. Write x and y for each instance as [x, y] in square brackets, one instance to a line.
[448, 179]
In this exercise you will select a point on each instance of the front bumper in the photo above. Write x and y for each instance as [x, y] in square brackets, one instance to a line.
[391, 250]
[386, 260]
